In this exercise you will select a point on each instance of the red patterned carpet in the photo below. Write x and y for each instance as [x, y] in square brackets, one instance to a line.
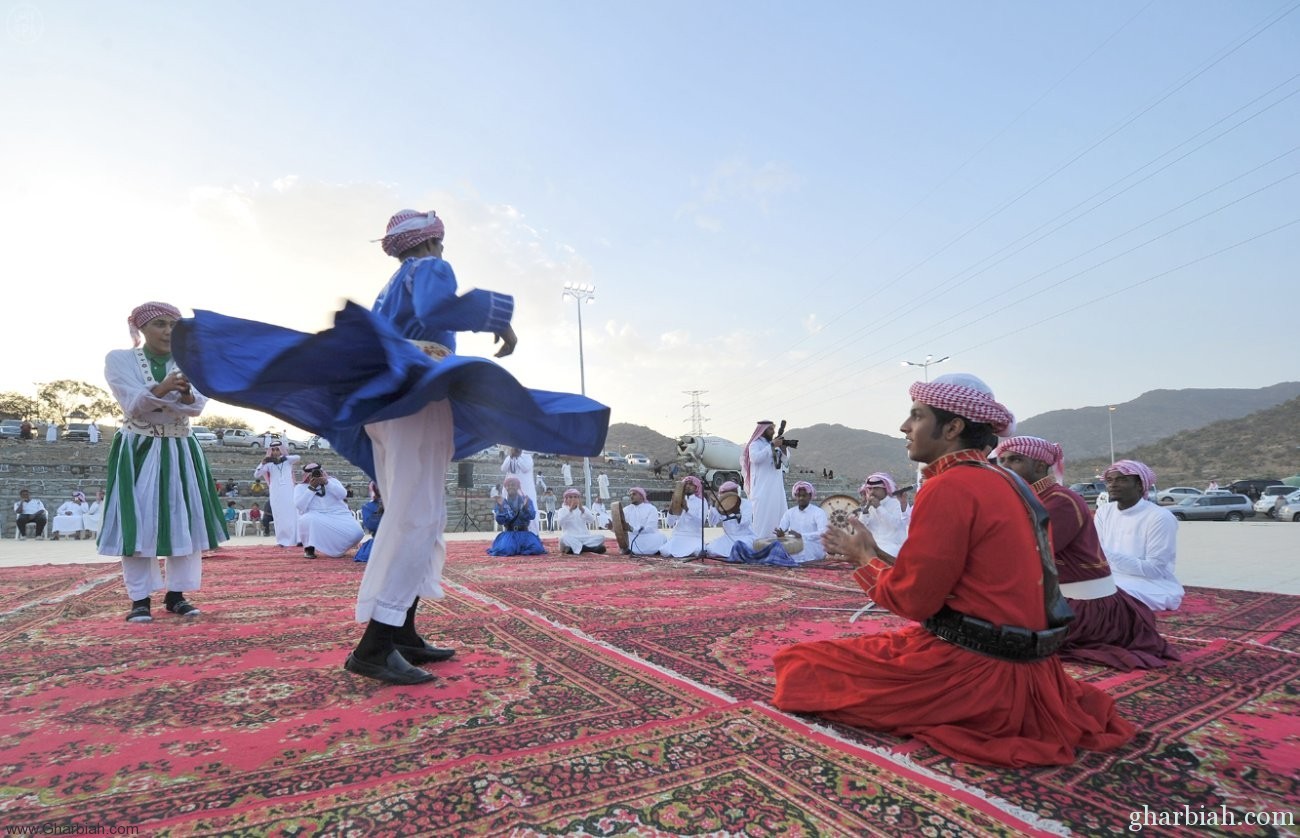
[591, 695]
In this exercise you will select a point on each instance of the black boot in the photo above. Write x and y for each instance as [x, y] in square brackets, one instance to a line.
[413, 647]
[139, 612]
[177, 604]
[377, 657]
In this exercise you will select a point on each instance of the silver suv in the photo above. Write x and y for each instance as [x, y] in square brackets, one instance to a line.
[1214, 508]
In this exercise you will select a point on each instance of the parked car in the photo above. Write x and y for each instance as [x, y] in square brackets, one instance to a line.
[611, 457]
[1268, 500]
[11, 428]
[77, 432]
[1175, 494]
[638, 460]
[202, 435]
[1090, 489]
[318, 441]
[1290, 510]
[1214, 508]
[1251, 488]
[238, 436]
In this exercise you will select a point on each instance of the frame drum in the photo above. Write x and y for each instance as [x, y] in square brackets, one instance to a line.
[792, 544]
[729, 503]
[839, 509]
[620, 529]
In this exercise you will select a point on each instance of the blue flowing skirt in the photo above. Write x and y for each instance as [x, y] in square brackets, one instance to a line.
[335, 382]
[516, 543]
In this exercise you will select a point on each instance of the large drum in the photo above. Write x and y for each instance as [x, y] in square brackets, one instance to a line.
[729, 504]
[792, 543]
[620, 529]
[839, 509]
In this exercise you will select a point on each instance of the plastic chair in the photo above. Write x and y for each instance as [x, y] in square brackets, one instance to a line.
[243, 522]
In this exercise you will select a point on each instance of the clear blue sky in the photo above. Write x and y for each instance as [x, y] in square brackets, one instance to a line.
[777, 204]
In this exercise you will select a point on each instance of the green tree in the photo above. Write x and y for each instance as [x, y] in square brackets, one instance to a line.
[57, 400]
[214, 421]
[19, 406]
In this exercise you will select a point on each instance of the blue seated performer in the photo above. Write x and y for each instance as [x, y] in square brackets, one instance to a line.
[387, 389]
[515, 511]
[372, 515]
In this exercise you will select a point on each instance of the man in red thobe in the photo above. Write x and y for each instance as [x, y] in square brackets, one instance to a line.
[971, 569]
[1111, 626]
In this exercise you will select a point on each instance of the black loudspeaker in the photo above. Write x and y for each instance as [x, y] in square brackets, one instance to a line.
[464, 475]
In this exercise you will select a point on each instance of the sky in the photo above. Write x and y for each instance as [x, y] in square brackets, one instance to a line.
[778, 205]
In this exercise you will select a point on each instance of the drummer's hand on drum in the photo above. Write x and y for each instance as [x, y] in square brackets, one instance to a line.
[506, 337]
[780, 533]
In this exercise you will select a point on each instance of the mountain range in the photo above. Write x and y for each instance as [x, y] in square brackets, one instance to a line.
[1187, 436]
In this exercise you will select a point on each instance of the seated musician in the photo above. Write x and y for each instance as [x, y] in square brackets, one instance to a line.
[797, 539]
[515, 512]
[736, 517]
[641, 520]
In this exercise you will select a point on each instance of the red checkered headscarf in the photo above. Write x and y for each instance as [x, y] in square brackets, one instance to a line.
[1133, 468]
[694, 481]
[572, 493]
[880, 479]
[1035, 448]
[803, 484]
[746, 467]
[145, 312]
[409, 228]
[966, 396]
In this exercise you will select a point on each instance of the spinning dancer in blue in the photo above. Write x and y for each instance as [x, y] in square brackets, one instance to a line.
[387, 389]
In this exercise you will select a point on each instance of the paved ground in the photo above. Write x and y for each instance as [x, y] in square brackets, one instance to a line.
[1250, 556]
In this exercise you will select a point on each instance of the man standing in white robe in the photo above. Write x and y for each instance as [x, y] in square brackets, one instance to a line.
[763, 462]
[602, 486]
[276, 471]
[642, 522]
[325, 523]
[519, 464]
[566, 471]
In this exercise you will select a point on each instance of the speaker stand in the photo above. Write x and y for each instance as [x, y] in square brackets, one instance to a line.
[466, 520]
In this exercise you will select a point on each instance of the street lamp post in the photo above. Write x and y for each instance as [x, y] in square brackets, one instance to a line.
[926, 364]
[582, 293]
[1110, 424]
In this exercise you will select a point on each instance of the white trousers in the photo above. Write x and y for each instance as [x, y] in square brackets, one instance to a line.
[411, 458]
[143, 576]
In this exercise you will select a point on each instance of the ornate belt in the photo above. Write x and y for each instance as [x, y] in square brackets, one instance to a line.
[1010, 643]
[176, 429]
[436, 351]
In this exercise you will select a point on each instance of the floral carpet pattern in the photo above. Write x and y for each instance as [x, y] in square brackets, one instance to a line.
[590, 695]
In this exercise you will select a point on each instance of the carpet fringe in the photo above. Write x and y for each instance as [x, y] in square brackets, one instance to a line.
[84, 587]
[1036, 821]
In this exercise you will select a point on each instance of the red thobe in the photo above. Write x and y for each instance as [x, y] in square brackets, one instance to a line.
[970, 547]
[1111, 627]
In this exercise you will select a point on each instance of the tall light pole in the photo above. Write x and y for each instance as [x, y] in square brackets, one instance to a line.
[1110, 424]
[583, 293]
[926, 364]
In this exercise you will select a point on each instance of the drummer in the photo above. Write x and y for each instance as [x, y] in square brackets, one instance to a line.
[641, 520]
[806, 520]
[687, 517]
[736, 516]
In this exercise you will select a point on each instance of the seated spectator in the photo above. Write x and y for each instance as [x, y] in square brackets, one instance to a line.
[372, 514]
[93, 520]
[29, 511]
[600, 513]
[69, 518]
[325, 523]
[1110, 626]
[259, 523]
[573, 520]
[515, 512]
[1139, 538]
[232, 514]
[232, 489]
[257, 488]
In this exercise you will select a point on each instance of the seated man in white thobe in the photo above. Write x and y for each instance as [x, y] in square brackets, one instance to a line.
[68, 519]
[805, 520]
[737, 525]
[688, 524]
[325, 523]
[93, 520]
[600, 513]
[882, 513]
[1139, 538]
[573, 521]
[642, 522]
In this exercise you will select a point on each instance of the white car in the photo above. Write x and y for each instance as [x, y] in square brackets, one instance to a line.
[202, 435]
[1175, 494]
[638, 460]
[1268, 500]
[1290, 511]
